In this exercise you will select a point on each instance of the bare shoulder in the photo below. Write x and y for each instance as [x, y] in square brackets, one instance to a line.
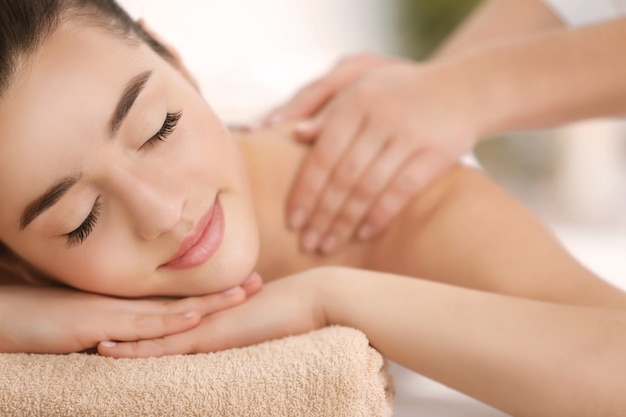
[465, 230]
[273, 159]
[432, 215]
[464, 225]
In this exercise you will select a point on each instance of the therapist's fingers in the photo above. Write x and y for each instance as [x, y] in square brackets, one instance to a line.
[421, 170]
[368, 143]
[310, 99]
[364, 194]
[308, 130]
[340, 127]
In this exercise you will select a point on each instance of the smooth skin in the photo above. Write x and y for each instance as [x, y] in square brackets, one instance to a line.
[62, 320]
[462, 230]
[554, 331]
[567, 360]
[384, 128]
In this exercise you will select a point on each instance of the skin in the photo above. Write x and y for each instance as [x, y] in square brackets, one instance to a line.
[543, 291]
[385, 128]
[146, 209]
[550, 316]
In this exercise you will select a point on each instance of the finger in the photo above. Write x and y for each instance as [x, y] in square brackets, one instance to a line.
[182, 316]
[424, 167]
[339, 128]
[252, 285]
[310, 99]
[204, 304]
[150, 326]
[209, 336]
[308, 130]
[352, 165]
[368, 189]
[147, 348]
[212, 303]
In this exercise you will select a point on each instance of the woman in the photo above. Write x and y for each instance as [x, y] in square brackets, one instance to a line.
[123, 182]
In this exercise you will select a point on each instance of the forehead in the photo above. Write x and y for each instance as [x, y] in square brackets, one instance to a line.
[63, 95]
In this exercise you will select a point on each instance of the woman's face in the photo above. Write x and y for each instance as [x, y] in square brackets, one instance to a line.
[116, 177]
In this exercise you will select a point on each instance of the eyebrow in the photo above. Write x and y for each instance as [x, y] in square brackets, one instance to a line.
[47, 199]
[53, 194]
[128, 98]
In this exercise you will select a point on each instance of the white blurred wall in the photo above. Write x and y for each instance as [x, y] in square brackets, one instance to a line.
[250, 55]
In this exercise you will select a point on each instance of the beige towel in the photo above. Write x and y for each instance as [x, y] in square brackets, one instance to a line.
[329, 372]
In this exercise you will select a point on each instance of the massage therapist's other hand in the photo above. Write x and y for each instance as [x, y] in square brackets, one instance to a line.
[287, 306]
[36, 319]
[382, 129]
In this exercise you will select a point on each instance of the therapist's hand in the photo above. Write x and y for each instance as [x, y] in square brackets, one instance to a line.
[60, 320]
[380, 135]
[313, 97]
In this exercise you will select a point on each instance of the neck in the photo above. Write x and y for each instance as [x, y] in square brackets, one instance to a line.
[270, 183]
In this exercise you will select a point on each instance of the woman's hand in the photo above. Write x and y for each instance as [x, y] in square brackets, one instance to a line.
[383, 130]
[59, 320]
[284, 307]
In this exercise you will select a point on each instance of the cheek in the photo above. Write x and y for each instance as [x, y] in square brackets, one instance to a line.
[112, 268]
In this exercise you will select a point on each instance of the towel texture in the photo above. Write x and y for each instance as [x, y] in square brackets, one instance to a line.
[329, 372]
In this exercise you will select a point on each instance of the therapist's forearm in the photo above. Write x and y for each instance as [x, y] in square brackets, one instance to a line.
[496, 21]
[525, 357]
[548, 79]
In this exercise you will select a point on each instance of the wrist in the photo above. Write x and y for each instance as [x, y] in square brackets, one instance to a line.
[483, 95]
[453, 84]
[327, 287]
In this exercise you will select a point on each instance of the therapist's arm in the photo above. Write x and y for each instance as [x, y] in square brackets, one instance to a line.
[546, 79]
[496, 21]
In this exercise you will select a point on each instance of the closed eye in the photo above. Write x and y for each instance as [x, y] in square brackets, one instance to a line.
[82, 232]
[168, 127]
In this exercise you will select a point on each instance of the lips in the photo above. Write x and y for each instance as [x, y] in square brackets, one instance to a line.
[202, 242]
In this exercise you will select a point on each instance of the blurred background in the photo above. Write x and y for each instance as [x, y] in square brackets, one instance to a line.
[251, 55]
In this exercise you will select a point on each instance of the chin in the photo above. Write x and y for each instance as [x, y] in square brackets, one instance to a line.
[231, 264]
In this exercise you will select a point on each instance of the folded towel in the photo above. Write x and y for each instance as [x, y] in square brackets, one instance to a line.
[328, 372]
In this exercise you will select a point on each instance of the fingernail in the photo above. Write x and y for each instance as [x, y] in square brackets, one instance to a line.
[305, 126]
[253, 277]
[297, 219]
[231, 291]
[188, 314]
[310, 240]
[365, 232]
[329, 244]
[108, 344]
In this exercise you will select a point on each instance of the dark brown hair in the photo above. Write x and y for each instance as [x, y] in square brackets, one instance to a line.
[25, 25]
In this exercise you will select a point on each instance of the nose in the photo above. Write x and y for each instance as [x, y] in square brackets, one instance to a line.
[154, 207]
[156, 213]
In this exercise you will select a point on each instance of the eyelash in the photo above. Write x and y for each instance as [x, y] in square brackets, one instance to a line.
[169, 125]
[82, 232]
